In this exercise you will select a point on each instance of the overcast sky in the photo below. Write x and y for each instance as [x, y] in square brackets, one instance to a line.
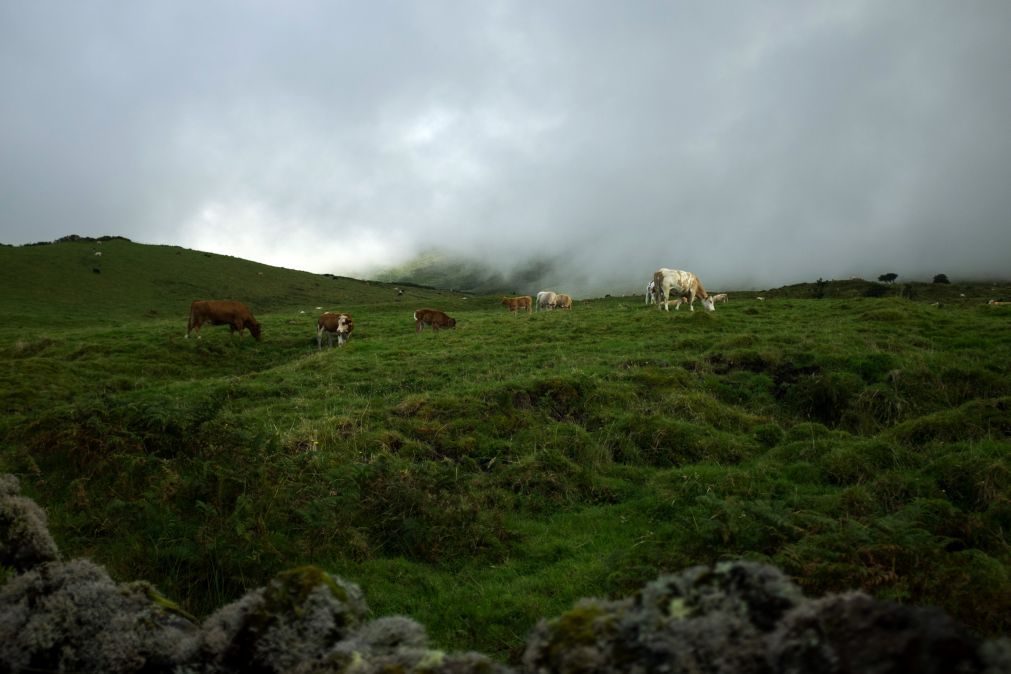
[754, 143]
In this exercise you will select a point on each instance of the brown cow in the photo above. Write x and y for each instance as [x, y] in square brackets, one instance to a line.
[331, 323]
[563, 301]
[433, 317]
[236, 315]
[518, 303]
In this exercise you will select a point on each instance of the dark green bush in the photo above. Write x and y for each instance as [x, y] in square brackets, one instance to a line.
[769, 435]
[875, 290]
[823, 397]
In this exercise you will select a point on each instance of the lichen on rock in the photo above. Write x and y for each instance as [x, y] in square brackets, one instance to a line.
[70, 616]
[24, 534]
[297, 617]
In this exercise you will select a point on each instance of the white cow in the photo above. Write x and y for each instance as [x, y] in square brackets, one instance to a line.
[546, 299]
[721, 297]
[682, 283]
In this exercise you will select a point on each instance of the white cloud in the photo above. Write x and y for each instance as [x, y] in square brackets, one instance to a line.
[761, 143]
[254, 232]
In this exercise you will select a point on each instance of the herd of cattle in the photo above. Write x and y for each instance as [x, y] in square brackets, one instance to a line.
[546, 300]
[684, 285]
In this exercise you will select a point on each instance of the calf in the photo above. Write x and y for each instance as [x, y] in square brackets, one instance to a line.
[517, 303]
[331, 323]
[433, 317]
[563, 301]
[236, 315]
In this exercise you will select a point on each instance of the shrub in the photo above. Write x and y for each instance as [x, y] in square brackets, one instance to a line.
[823, 397]
[875, 290]
[769, 435]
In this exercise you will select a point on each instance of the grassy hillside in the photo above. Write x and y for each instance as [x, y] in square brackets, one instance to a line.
[129, 281]
[481, 478]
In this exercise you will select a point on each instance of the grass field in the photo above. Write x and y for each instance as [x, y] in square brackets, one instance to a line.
[482, 478]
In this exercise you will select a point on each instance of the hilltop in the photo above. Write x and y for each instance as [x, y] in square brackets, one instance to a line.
[118, 279]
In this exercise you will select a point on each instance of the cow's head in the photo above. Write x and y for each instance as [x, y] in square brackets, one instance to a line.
[344, 327]
[451, 323]
[709, 304]
[254, 329]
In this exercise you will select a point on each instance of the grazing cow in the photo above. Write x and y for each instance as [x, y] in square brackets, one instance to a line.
[563, 301]
[721, 297]
[683, 283]
[546, 300]
[997, 303]
[517, 303]
[332, 323]
[434, 318]
[236, 315]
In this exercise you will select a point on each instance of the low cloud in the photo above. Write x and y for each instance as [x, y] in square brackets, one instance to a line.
[753, 144]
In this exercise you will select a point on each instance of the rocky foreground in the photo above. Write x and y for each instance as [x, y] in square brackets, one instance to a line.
[736, 617]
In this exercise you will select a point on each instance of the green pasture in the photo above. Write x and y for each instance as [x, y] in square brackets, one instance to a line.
[481, 478]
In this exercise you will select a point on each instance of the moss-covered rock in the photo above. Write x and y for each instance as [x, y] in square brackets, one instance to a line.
[299, 616]
[701, 620]
[24, 535]
[747, 618]
[71, 617]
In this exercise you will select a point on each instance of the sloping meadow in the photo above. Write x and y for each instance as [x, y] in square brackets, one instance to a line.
[490, 475]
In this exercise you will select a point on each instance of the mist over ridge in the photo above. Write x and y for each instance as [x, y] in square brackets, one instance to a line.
[755, 145]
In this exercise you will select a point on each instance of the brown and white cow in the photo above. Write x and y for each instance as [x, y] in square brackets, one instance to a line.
[334, 323]
[546, 300]
[236, 315]
[563, 301]
[518, 303]
[682, 283]
[433, 317]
